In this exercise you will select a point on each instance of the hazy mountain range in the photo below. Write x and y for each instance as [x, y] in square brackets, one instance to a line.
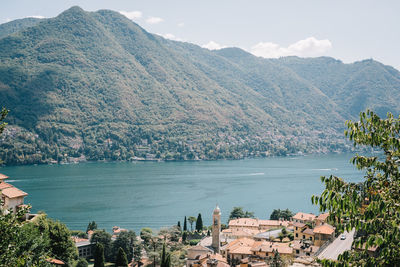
[96, 85]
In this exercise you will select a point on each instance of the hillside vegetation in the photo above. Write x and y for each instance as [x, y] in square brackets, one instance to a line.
[96, 86]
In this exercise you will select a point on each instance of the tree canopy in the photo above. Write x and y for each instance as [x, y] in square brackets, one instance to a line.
[191, 220]
[372, 206]
[121, 260]
[238, 212]
[199, 223]
[281, 214]
[104, 238]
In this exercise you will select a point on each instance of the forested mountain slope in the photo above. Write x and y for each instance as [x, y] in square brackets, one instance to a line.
[96, 85]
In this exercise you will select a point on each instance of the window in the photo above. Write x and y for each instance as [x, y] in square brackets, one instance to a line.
[297, 235]
[304, 237]
[297, 251]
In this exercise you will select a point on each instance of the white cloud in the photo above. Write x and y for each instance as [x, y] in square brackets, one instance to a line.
[154, 20]
[211, 45]
[132, 15]
[310, 47]
[36, 17]
[181, 24]
[8, 19]
[171, 37]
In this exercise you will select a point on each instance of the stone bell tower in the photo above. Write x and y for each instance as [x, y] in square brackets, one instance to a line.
[216, 229]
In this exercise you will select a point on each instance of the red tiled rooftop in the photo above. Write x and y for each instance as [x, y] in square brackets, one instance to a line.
[325, 229]
[4, 185]
[12, 192]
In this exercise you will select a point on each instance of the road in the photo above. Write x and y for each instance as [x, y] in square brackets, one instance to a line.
[337, 247]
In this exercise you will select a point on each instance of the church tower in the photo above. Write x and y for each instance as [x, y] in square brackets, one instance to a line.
[216, 229]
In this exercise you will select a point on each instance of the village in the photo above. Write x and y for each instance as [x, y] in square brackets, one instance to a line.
[246, 242]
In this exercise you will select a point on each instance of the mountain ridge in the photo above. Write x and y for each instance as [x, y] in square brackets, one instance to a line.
[99, 86]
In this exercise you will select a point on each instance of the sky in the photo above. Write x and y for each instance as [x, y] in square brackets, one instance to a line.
[349, 30]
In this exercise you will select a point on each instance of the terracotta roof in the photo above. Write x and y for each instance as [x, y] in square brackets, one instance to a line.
[55, 261]
[323, 216]
[299, 224]
[4, 185]
[13, 192]
[218, 257]
[273, 223]
[259, 264]
[240, 246]
[78, 239]
[304, 216]
[2, 176]
[324, 229]
[199, 248]
[308, 231]
[244, 222]
[268, 247]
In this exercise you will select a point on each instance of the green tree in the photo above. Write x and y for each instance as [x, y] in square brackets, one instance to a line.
[82, 262]
[199, 223]
[137, 253]
[237, 212]
[3, 124]
[61, 245]
[145, 235]
[281, 214]
[191, 220]
[126, 241]
[372, 207]
[165, 258]
[99, 260]
[91, 226]
[184, 224]
[10, 229]
[121, 260]
[3, 115]
[184, 236]
[179, 225]
[104, 238]
[276, 260]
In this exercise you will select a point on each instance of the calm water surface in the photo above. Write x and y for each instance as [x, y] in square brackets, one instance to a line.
[150, 194]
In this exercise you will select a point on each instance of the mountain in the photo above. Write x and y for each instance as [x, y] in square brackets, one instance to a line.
[17, 25]
[95, 85]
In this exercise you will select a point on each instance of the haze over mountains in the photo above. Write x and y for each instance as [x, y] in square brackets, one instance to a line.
[96, 85]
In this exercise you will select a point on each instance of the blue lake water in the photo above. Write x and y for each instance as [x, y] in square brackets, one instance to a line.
[151, 194]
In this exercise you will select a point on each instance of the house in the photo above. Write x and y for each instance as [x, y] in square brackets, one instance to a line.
[248, 223]
[211, 260]
[304, 217]
[235, 233]
[264, 249]
[85, 248]
[272, 224]
[308, 234]
[299, 227]
[116, 231]
[303, 248]
[321, 219]
[195, 254]
[247, 248]
[12, 198]
[323, 233]
[250, 227]
[238, 249]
